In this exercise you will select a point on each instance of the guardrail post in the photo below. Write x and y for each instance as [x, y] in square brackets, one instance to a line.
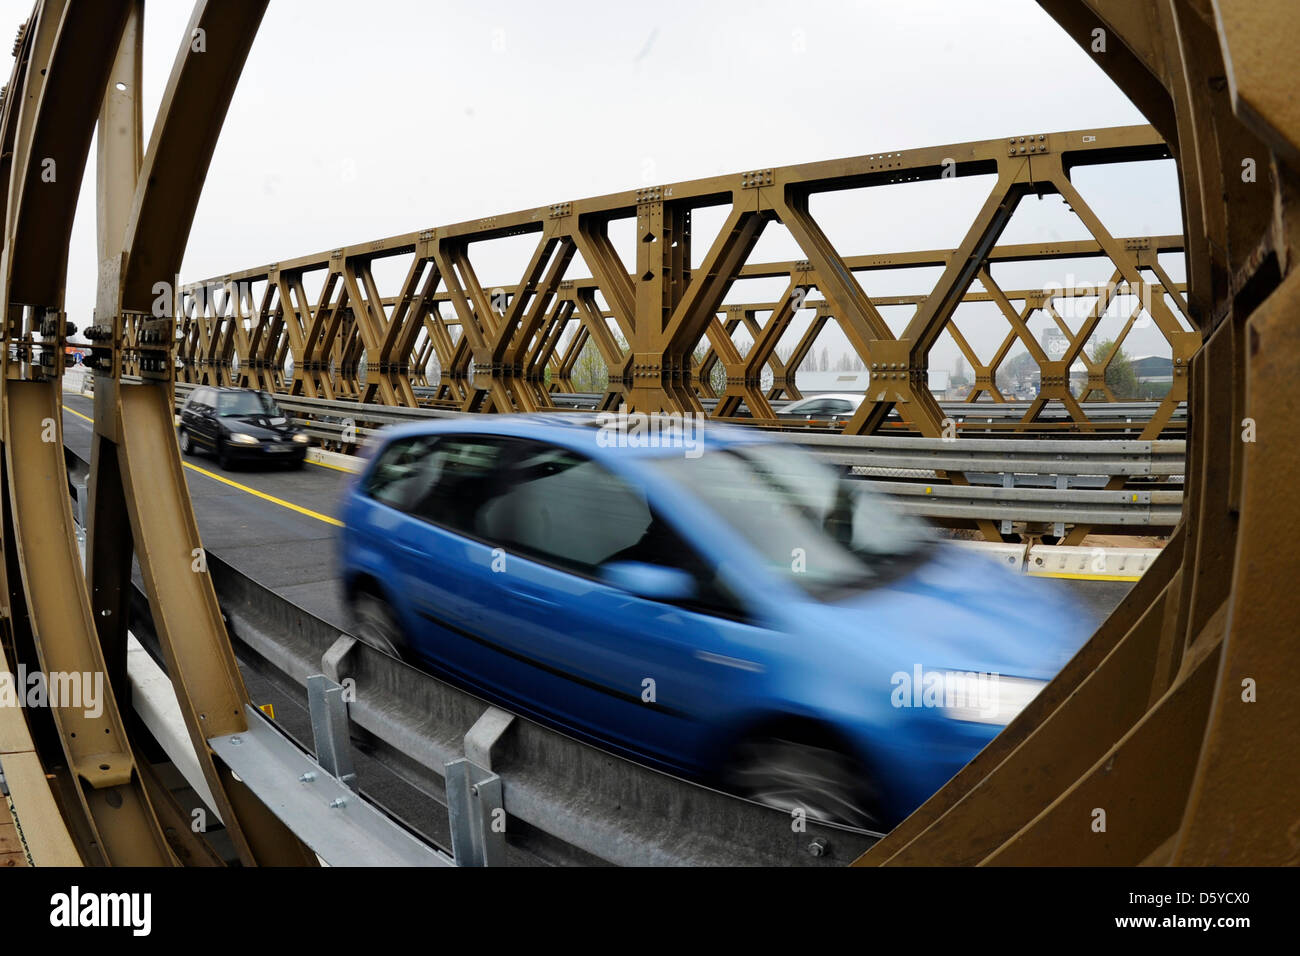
[329, 727]
[1008, 481]
[79, 501]
[1062, 484]
[475, 806]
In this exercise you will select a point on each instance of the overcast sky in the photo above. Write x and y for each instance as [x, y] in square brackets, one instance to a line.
[355, 121]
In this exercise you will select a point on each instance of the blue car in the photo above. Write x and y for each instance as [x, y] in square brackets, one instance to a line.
[713, 602]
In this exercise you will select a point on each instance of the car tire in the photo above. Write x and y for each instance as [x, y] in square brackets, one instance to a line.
[827, 784]
[187, 444]
[374, 623]
[223, 456]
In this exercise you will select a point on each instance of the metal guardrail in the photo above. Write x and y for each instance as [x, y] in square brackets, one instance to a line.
[1055, 506]
[1007, 475]
[1133, 411]
[1041, 456]
[575, 802]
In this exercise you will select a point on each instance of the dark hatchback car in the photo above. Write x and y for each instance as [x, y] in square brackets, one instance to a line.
[240, 424]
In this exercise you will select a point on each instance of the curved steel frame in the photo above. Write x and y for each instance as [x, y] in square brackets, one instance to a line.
[1161, 741]
[79, 62]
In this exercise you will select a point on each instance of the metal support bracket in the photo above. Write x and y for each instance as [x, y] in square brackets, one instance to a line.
[340, 826]
[474, 795]
[329, 727]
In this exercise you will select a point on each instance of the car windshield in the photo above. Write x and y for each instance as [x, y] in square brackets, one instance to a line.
[236, 404]
[830, 535]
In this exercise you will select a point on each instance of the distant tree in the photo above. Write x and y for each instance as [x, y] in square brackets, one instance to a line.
[589, 371]
[1120, 374]
[590, 374]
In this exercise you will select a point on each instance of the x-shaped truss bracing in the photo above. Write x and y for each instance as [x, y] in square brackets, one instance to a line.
[651, 320]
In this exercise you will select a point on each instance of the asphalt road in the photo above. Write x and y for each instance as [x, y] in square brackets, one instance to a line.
[272, 523]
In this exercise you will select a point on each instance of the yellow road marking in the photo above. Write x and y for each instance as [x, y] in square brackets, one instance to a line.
[1084, 577]
[234, 484]
[264, 496]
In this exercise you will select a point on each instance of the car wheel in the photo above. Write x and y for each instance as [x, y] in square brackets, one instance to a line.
[223, 456]
[826, 784]
[375, 624]
[187, 444]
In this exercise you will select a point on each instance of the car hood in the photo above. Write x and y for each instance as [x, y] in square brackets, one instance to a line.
[960, 610]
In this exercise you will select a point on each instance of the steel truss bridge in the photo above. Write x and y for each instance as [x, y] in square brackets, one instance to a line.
[509, 348]
[1151, 718]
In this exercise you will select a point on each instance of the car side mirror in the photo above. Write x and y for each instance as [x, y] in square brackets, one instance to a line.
[652, 581]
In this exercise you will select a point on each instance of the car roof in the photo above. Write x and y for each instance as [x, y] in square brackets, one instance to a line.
[851, 396]
[586, 431]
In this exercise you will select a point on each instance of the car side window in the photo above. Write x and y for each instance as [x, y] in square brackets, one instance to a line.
[839, 406]
[566, 510]
[459, 477]
[400, 473]
[814, 408]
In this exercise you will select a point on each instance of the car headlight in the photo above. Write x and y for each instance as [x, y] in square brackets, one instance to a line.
[301, 438]
[239, 438]
[987, 698]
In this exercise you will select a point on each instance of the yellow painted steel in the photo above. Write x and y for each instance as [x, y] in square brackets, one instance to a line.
[1170, 738]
